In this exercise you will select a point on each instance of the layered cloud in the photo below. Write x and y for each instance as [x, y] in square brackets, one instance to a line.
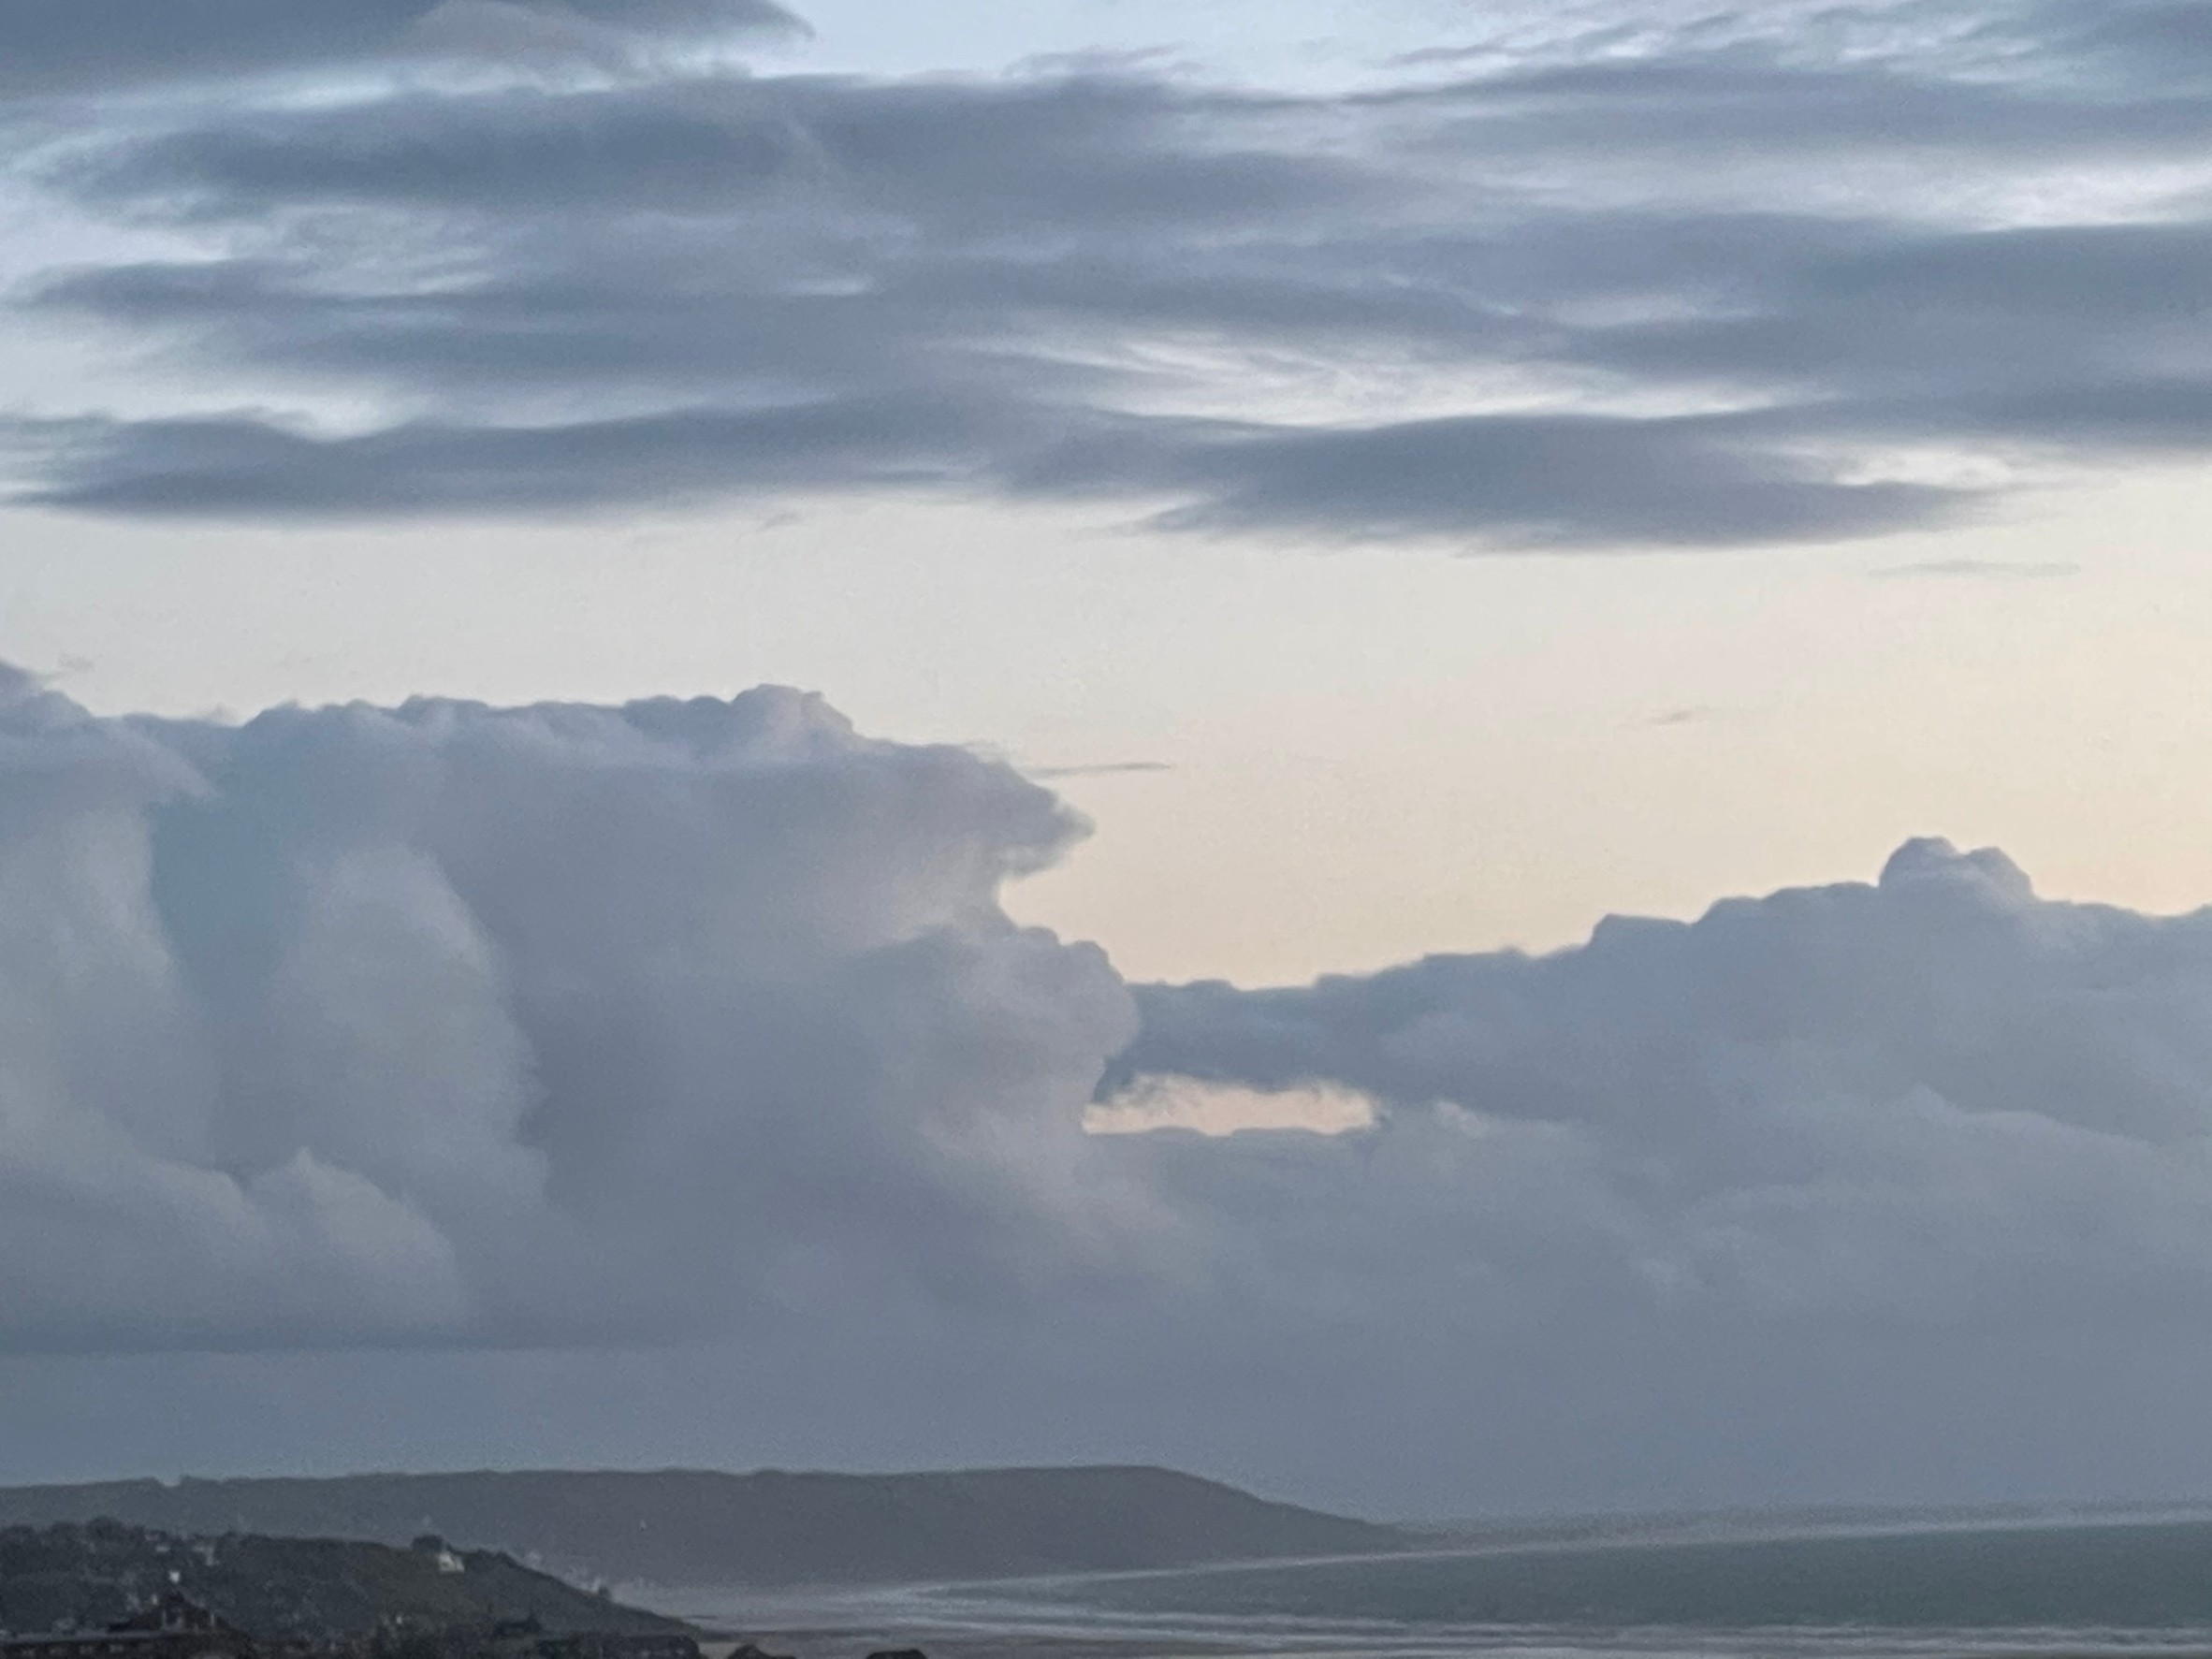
[1775, 274]
[56, 49]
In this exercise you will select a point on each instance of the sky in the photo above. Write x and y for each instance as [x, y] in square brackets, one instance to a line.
[1442, 755]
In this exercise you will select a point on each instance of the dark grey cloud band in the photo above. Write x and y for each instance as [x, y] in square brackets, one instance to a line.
[1729, 289]
[98, 47]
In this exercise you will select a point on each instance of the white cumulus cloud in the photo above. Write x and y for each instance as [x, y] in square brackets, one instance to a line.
[460, 1025]
[492, 1046]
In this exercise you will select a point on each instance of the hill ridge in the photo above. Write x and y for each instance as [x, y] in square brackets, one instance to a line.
[762, 1528]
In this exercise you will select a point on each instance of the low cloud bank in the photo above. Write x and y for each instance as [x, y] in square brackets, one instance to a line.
[1936, 1099]
[474, 1027]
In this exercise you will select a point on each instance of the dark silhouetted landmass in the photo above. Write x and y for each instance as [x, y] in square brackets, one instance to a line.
[92, 1576]
[682, 1527]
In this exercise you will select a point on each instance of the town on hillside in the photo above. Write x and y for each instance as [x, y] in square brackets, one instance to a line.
[103, 1590]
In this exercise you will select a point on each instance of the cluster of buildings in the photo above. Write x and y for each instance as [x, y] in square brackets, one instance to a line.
[176, 1627]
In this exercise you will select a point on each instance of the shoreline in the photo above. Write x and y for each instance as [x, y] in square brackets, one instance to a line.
[858, 1642]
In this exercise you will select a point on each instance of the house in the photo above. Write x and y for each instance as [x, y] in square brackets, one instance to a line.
[440, 1554]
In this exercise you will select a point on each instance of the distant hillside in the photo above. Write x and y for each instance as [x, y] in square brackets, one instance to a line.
[96, 1574]
[692, 1528]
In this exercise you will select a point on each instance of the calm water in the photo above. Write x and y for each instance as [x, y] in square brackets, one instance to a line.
[2141, 1589]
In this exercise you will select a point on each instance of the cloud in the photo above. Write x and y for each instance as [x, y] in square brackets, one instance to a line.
[1938, 1097]
[1100, 769]
[1544, 480]
[698, 1028]
[470, 1026]
[1770, 275]
[52, 47]
[226, 465]
[618, 1024]
[1992, 570]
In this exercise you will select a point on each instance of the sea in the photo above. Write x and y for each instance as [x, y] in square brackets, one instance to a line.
[2020, 1590]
